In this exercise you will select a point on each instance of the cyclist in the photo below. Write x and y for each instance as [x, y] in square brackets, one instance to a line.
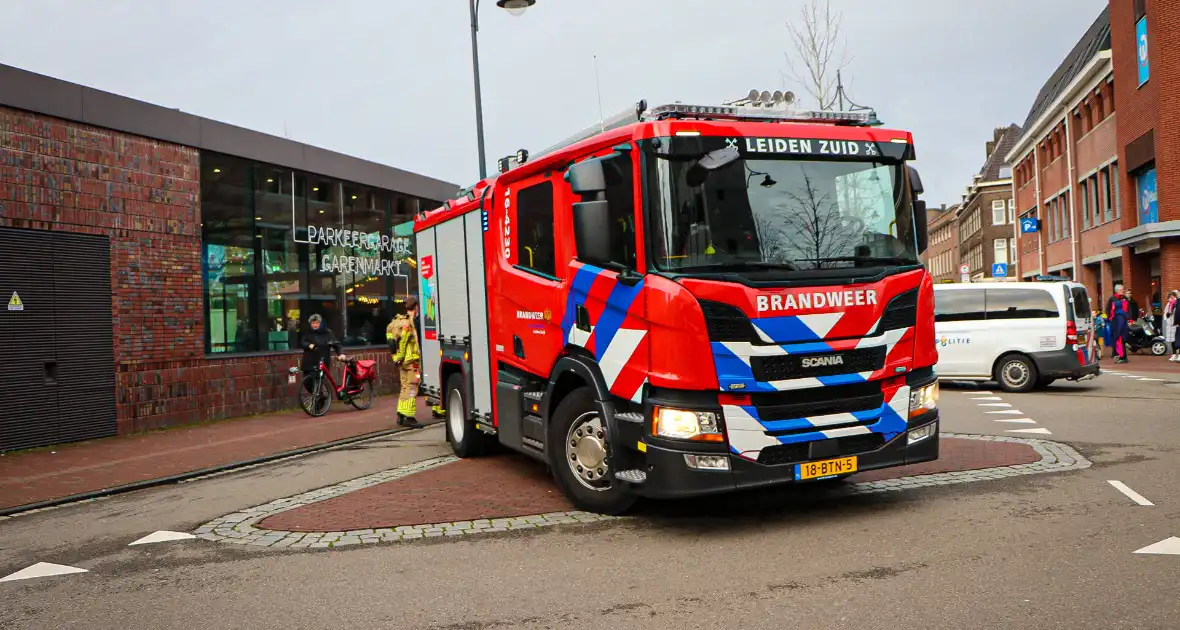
[318, 343]
[402, 336]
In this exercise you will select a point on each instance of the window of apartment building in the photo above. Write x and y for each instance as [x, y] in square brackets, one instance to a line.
[1000, 248]
[1085, 195]
[999, 214]
[1011, 210]
[279, 246]
[1012, 251]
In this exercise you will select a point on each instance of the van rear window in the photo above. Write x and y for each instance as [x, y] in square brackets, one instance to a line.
[1020, 304]
[1081, 302]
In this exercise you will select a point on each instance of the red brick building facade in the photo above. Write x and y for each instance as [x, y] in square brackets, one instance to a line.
[1091, 167]
[1146, 71]
[986, 214]
[130, 176]
[942, 253]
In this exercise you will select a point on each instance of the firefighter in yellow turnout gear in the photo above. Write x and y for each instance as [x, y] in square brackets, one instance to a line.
[402, 336]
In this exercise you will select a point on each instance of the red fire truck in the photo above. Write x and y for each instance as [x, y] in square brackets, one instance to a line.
[687, 300]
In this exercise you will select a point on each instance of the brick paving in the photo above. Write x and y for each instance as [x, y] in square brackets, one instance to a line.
[53, 473]
[444, 496]
[466, 490]
[959, 455]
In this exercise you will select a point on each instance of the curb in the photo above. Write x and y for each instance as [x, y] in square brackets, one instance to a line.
[82, 497]
[239, 527]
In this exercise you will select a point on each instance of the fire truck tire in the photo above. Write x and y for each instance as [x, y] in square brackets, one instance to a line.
[465, 439]
[580, 459]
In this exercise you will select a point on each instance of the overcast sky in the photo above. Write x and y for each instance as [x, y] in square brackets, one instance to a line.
[390, 80]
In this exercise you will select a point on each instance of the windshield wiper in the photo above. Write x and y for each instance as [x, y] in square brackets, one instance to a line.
[896, 260]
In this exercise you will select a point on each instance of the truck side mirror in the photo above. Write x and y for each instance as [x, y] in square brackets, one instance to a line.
[592, 231]
[587, 178]
[921, 226]
[915, 181]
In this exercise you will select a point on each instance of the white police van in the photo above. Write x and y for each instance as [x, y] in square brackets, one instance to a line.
[1022, 335]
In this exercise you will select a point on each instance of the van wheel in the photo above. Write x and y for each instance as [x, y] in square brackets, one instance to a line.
[580, 457]
[465, 439]
[1016, 373]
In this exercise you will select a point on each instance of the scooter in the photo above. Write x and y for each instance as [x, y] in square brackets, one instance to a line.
[1141, 334]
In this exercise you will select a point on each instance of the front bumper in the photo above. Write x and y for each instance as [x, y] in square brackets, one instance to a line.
[669, 477]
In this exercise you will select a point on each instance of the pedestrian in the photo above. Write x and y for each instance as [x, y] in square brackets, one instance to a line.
[402, 336]
[1118, 309]
[318, 343]
[1171, 322]
[1100, 333]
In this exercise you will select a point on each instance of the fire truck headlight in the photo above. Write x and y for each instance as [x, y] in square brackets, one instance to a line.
[923, 399]
[686, 425]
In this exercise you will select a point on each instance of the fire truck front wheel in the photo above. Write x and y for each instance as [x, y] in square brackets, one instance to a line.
[465, 439]
[580, 457]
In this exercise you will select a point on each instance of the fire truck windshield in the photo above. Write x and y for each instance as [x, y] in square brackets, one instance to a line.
[839, 205]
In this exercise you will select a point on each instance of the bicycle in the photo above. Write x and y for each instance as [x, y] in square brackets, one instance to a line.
[318, 388]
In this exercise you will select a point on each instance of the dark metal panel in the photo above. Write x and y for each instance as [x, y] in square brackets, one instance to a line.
[39, 93]
[238, 141]
[103, 109]
[1140, 151]
[28, 401]
[322, 161]
[46, 95]
[85, 337]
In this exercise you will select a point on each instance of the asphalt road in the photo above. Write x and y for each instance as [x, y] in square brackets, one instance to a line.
[1050, 551]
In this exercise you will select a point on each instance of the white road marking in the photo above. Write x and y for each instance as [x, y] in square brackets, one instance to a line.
[41, 569]
[1152, 379]
[1167, 546]
[995, 405]
[1038, 431]
[1017, 420]
[982, 393]
[1131, 494]
[988, 398]
[161, 536]
[1010, 412]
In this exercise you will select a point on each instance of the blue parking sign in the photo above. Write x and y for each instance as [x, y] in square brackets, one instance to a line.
[999, 270]
[1028, 225]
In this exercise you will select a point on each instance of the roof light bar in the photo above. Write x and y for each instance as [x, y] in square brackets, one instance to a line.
[732, 112]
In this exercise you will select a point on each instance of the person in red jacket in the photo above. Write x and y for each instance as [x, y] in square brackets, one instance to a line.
[1118, 310]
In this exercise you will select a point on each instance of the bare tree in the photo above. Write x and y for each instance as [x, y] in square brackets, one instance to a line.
[820, 53]
[815, 229]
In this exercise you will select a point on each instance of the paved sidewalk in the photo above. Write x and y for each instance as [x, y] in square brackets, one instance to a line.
[54, 473]
[1143, 362]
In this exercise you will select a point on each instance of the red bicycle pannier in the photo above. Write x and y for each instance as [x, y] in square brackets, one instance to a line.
[366, 370]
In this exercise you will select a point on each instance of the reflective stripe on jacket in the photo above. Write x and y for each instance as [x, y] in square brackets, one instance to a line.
[403, 340]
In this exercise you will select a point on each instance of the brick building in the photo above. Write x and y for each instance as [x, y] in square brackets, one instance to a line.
[1091, 176]
[159, 267]
[1146, 71]
[942, 253]
[1066, 171]
[986, 214]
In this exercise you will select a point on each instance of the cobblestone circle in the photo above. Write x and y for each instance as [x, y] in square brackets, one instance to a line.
[238, 528]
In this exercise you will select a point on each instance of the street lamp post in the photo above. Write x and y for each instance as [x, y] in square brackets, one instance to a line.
[515, 7]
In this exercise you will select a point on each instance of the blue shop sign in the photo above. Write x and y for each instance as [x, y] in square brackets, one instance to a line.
[1148, 202]
[1141, 39]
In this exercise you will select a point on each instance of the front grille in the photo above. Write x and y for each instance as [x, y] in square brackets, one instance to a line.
[902, 312]
[806, 451]
[819, 401]
[781, 368]
[726, 322]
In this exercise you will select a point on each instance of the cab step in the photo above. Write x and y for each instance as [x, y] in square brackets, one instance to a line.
[630, 416]
[631, 476]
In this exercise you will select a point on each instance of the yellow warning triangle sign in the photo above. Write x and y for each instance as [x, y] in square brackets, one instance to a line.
[14, 303]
